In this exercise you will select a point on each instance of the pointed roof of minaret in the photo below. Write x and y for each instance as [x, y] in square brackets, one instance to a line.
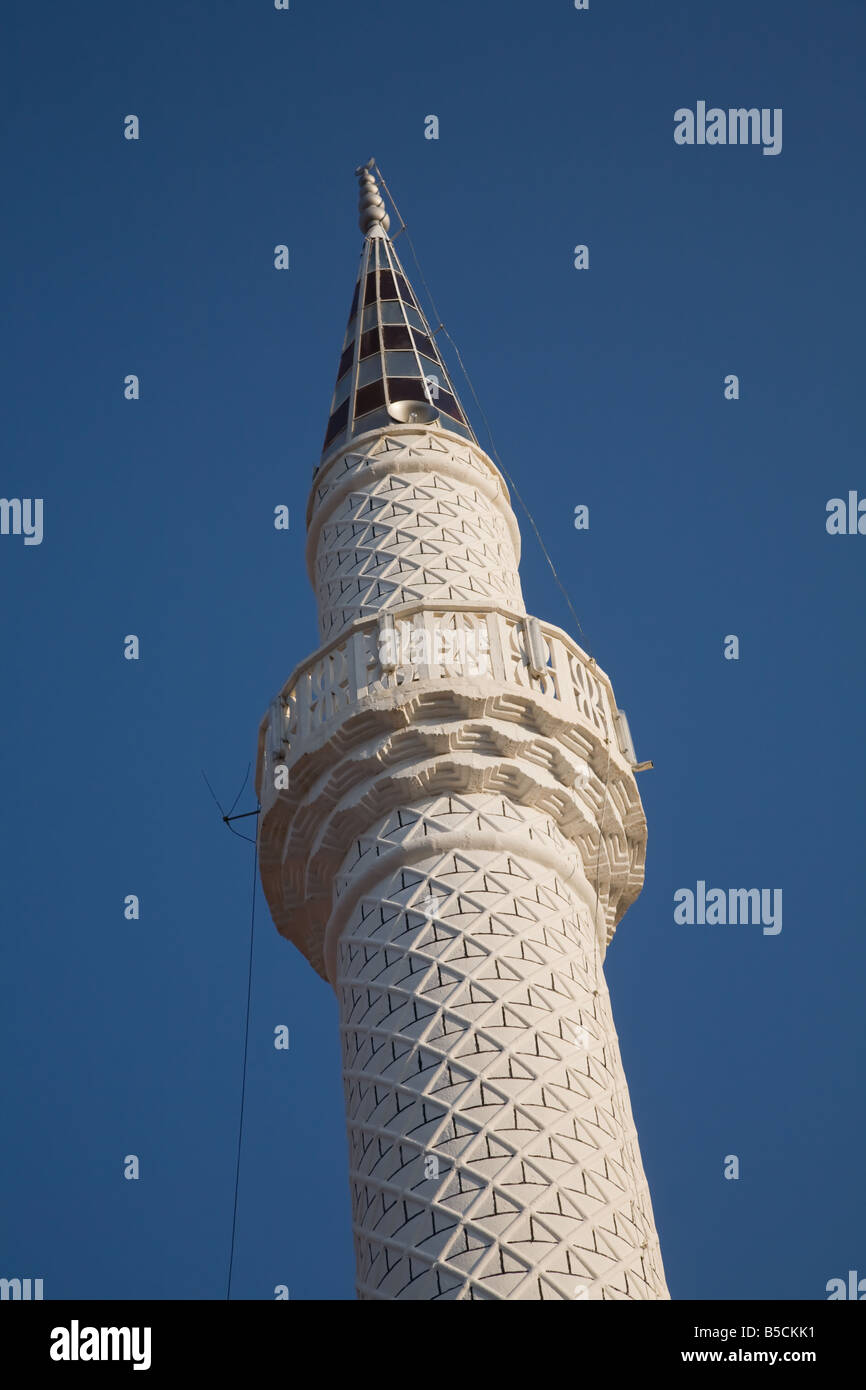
[390, 370]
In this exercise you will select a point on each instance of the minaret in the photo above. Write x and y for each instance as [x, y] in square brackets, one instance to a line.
[450, 832]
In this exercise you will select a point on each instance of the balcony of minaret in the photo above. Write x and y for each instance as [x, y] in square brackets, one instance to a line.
[355, 733]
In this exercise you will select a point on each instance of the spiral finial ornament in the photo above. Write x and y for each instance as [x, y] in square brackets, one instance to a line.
[371, 206]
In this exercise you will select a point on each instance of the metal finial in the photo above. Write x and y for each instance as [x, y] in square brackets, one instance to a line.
[371, 207]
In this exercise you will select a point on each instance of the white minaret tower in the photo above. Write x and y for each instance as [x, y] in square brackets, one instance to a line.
[450, 832]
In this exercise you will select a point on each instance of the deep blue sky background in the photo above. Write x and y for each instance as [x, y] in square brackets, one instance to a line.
[602, 387]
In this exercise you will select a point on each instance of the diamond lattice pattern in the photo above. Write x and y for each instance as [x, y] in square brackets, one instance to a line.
[493, 1152]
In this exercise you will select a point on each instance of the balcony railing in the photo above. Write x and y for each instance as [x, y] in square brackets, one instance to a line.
[459, 643]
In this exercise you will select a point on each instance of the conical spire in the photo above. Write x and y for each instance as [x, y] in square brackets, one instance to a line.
[390, 371]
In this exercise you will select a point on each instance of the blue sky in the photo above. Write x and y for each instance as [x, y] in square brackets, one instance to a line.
[603, 387]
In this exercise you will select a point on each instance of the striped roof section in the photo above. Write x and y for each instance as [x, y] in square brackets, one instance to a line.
[390, 370]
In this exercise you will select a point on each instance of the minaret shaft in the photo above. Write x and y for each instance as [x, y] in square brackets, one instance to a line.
[492, 1146]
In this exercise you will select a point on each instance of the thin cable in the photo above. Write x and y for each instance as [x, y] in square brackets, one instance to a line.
[241, 792]
[213, 793]
[493, 449]
[427, 290]
[511, 483]
[248, 838]
[244, 1081]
